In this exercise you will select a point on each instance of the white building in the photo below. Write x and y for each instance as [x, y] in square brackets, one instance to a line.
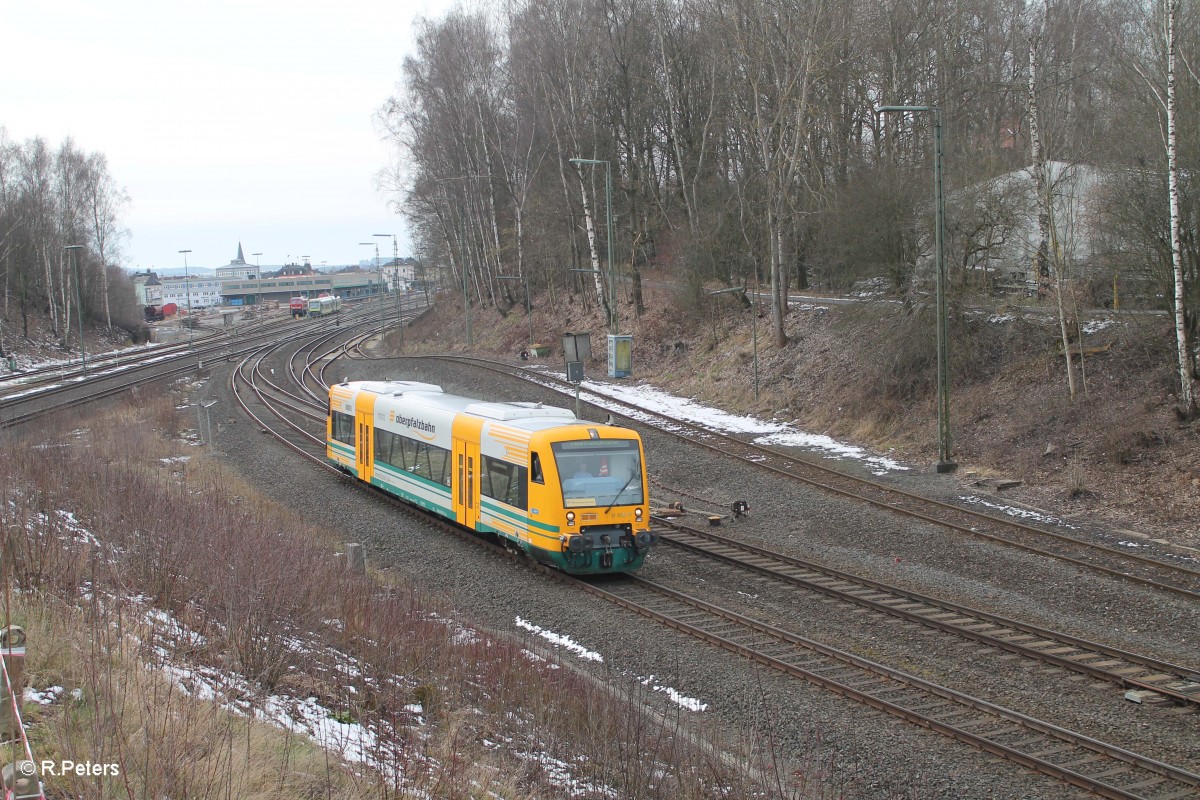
[398, 275]
[1003, 213]
[237, 269]
[205, 291]
[148, 289]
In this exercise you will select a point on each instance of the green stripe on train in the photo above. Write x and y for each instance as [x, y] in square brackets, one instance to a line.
[417, 500]
[520, 518]
[344, 449]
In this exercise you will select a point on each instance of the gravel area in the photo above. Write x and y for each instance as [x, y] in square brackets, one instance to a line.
[870, 755]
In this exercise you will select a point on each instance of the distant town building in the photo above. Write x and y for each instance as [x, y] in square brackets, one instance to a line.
[293, 270]
[347, 285]
[237, 269]
[147, 288]
[204, 291]
[399, 274]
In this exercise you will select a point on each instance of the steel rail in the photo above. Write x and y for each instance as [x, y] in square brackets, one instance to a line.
[1177, 683]
[1045, 733]
[638, 415]
[1031, 755]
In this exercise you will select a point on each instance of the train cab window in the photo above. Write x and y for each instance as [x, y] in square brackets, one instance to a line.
[343, 428]
[599, 472]
[535, 469]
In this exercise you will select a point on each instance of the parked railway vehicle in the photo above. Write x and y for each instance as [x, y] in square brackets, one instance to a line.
[154, 313]
[324, 305]
[298, 306]
[566, 492]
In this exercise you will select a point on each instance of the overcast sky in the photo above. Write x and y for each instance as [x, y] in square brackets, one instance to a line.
[225, 121]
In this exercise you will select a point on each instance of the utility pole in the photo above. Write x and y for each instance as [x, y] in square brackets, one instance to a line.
[258, 287]
[381, 285]
[71, 248]
[187, 288]
[945, 461]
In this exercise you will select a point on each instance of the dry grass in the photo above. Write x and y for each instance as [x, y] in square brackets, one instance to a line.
[166, 743]
[174, 605]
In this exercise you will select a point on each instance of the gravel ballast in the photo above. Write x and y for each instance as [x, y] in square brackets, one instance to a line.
[870, 754]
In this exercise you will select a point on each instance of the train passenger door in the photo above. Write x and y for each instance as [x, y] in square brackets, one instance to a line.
[364, 435]
[466, 482]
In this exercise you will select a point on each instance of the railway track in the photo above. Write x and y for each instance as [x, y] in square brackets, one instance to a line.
[1133, 671]
[1102, 768]
[1168, 572]
[30, 381]
[19, 408]
[259, 394]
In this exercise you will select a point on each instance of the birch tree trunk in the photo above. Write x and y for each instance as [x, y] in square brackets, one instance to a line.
[50, 291]
[1044, 258]
[1187, 395]
[593, 252]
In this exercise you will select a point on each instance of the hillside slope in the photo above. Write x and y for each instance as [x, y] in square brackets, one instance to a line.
[864, 372]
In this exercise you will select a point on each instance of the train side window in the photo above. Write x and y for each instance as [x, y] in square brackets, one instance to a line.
[409, 458]
[504, 481]
[439, 465]
[386, 448]
[535, 469]
[485, 478]
[423, 460]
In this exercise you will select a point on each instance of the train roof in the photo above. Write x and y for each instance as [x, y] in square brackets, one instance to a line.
[431, 396]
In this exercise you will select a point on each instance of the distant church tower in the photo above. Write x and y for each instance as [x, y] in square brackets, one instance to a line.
[238, 268]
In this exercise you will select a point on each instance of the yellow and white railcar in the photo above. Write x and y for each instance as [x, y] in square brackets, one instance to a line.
[324, 305]
[569, 493]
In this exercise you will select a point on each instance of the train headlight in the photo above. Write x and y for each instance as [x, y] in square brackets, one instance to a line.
[637, 514]
[570, 517]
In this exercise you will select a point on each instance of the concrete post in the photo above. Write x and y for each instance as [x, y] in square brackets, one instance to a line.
[21, 781]
[356, 560]
[12, 650]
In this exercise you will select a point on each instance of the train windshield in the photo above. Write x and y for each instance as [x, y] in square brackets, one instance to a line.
[599, 472]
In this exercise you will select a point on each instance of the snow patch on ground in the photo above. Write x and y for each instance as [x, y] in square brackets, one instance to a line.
[558, 640]
[566, 642]
[783, 434]
[1019, 513]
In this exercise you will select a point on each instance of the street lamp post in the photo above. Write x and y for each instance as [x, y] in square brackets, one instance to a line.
[528, 308]
[612, 278]
[258, 288]
[379, 271]
[78, 302]
[945, 461]
[753, 327]
[382, 283]
[187, 287]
